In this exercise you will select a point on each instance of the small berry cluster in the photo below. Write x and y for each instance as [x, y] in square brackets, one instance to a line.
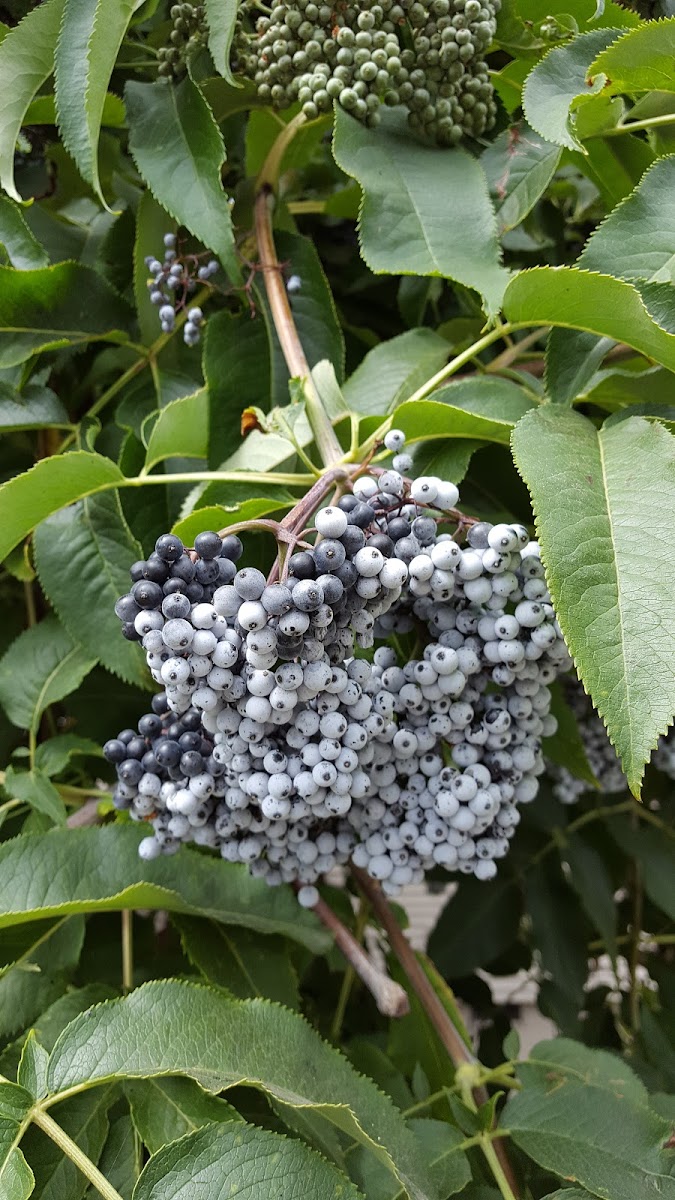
[428, 57]
[187, 36]
[277, 744]
[170, 284]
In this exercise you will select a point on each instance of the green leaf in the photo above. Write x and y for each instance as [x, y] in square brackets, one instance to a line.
[34, 788]
[477, 925]
[403, 227]
[566, 747]
[254, 1161]
[558, 80]
[53, 756]
[559, 933]
[32, 1072]
[238, 368]
[49, 485]
[181, 430]
[98, 870]
[65, 305]
[26, 60]
[16, 1177]
[120, 1159]
[392, 371]
[221, 17]
[23, 249]
[174, 1027]
[519, 166]
[42, 111]
[166, 1108]
[482, 408]
[448, 1165]
[244, 963]
[49, 1024]
[48, 665]
[642, 60]
[34, 407]
[178, 150]
[656, 855]
[313, 306]
[594, 886]
[93, 537]
[219, 517]
[582, 1115]
[85, 1119]
[600, 304]
[601, 500]
[89, 41]
[40, 975]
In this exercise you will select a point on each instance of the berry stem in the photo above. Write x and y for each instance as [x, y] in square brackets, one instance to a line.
[452, 1040]
[390, 998]
[327, 443]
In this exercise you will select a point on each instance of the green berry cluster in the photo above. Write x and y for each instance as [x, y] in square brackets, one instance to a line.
[428, 57]
[187, 35]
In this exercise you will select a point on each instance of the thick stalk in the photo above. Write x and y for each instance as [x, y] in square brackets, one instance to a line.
[127, 950]
[389, 996]
[458, 1052]
[70, 1148]
[324, 435]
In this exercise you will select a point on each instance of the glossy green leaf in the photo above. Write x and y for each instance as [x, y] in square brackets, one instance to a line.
[34, 407]
[179, 151]
[582, 1115]
[641, 60]
[35, 789]
[16, 1177]
[40, 667]
[167, 1107]
[481, 408]
[52, 1020]
[53, 755]
[403, 224]
[599, 304]
[89, 41]
[40, 976]
[238, 368]
[221, 17]
[174, 1027]
[572, 358]
[120, 1162]
[519, 166]
[242, 962]
[180, 431]
[26, 60]
[67, 304]
[393, 370]
[95, 540]
[48, 486]
[255, 1162]
[553, 86]
[85, 1119]
[601, 500]
[98, 870]
[32, 1072]
[22, 247]
[220, 517]
[477, 924]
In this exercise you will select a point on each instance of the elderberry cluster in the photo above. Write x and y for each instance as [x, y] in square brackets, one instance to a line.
[429, 57]
[187, 36]
[170, 284]
[276, 742]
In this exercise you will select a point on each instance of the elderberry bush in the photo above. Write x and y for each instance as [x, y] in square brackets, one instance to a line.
[279, 741]
[601, 755]
[429, 57]
[172, 281]
[188, 35]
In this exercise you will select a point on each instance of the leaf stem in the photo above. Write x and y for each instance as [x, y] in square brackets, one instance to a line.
[460, 360]
[127, 950]
[636, 126]
[492, 1158]
[70, 1148]
[390, 998]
